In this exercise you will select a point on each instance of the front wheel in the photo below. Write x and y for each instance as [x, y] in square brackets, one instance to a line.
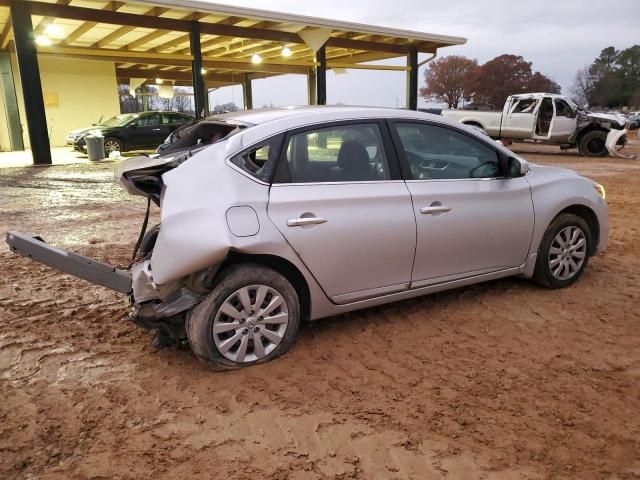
[564, 252]
[593, 144]
[250, 317]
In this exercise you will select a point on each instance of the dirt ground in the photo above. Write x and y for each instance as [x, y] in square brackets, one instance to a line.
[502, 380]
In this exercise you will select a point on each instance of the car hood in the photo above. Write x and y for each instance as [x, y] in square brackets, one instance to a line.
[551, 172]
[610, 117]
[81, 130]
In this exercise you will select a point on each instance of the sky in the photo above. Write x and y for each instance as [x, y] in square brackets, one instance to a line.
[558, 36]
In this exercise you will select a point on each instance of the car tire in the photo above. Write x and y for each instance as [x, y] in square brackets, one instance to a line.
[557, 265]
[112, 145]
[593, 144]
[224, 333]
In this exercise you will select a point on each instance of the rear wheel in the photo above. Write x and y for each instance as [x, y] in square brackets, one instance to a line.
[250, 317]
[593, 144]
[564, 252]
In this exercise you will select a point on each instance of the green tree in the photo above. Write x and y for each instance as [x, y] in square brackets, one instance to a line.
[613, 78]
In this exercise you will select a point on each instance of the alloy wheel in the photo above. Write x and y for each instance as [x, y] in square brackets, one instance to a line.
[111, 146]
[250, 323]
[567, 252]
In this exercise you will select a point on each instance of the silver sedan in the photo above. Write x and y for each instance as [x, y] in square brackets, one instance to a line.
[275, 216]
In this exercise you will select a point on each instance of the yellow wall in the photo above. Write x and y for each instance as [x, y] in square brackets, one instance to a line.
[5, 142]
[77, 93]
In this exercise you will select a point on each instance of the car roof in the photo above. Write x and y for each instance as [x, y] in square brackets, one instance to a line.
[537, 94]
[337, 113]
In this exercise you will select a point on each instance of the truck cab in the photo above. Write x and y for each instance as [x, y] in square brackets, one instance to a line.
[540, 117]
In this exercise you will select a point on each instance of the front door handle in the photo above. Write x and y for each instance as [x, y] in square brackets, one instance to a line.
[156, 129]
[301, 222]
[435, 209]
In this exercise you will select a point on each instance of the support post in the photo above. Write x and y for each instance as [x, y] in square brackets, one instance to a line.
[311, 86]
[30, 80]
[247, 92]
[11, 103]
[321, 76]
[412, 79]
[199, 91]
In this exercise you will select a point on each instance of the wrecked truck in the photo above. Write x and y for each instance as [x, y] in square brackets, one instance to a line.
[551, 119]
[275, 216]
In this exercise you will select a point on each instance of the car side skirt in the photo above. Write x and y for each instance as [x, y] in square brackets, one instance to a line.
[327, 309]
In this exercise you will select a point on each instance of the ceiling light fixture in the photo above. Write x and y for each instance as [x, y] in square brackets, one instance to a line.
[255, 58]
[286, 51]
[159, 81]
[53, 30]
[203, 71]
[43, 41]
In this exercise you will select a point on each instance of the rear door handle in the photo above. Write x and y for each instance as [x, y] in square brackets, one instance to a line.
[156, 129]
[301, 222]
[435, 209]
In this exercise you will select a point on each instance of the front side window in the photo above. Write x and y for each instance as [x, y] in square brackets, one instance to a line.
[345, 153]
[440, 153]
[259, 160]
[563, 109]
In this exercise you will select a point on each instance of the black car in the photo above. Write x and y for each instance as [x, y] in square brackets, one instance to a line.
[134, 131]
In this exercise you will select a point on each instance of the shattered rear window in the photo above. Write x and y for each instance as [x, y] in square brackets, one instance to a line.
[259, 161]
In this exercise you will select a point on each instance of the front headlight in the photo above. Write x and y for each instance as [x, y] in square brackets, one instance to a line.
[601, 191]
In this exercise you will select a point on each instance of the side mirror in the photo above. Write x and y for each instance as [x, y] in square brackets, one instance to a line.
[518, 167]
[133, 125]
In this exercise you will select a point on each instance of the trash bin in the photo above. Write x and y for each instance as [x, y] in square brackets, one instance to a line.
[95, 147]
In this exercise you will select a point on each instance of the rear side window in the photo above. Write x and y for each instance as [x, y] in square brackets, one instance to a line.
[150, 120]
[259, 160]
[525, 106]
[341, 153]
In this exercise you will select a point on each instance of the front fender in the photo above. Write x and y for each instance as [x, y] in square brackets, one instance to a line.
[613, 137]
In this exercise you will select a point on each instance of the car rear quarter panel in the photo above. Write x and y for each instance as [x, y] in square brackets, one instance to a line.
[195, 233]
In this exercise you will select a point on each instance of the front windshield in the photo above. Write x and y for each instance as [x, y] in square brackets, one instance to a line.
[574, 106]
[118, 120]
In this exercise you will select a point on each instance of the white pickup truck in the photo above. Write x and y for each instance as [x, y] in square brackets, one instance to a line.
[552, 119]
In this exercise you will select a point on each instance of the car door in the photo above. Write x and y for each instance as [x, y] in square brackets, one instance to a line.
[471, 219]
[175, 120]
[564, 123]
[520, 119]
[339, 201]
[149, 131]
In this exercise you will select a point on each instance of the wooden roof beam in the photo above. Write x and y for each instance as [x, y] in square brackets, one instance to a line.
[159, 33]
[154, 21]
[171, 75]
[119, 32]
[44, 23]
[207, 44]
[6, 34]
[86, 26]
[185, 38]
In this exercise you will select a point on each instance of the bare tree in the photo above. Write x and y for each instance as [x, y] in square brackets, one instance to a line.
[582, 87]
[128, 103]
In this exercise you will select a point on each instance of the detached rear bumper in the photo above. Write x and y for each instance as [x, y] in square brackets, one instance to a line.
[69, 262]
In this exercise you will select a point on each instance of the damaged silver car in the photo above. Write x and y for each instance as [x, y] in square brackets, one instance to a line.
[271, 217]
